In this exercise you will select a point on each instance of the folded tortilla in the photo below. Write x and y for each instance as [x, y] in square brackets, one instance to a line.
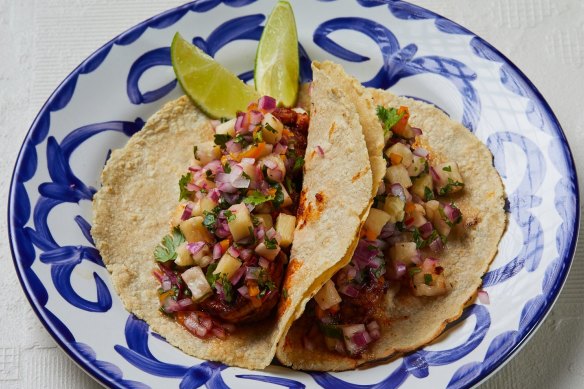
[415, 321]
[139, 193]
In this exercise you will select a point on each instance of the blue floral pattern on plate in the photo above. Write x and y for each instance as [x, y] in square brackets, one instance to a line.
[58, 169]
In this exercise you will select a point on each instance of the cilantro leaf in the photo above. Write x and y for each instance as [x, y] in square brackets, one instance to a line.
[230, 216]
[211, 278]
[221, 139]
[427, 279]
[182, 186]
[210, 220]
[388, 117]
[270, 128]
[279, 197]
[227, 288]
[298, 164]
[447, 168]
[271, 243]
[449, 187]
[428, 194]
[257, 198]
[166, 250]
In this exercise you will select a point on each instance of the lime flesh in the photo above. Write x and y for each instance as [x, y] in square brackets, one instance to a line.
[277, 63]
[214, 89]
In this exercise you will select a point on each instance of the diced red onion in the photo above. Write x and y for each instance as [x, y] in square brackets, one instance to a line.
[349, 290]
[186, 302]
[421, 152]
[245, 254]
[398, 190]
[259, 232]
[215, 166]
[232, 147]
[166, 284]
[244, 291]
[387, 230]
[452, 213]
[255, 117]
[363, 254]
[195, 247]
[263, 262]
[267, 103]
[484, 297]
[280, 149]
[361, 339]
[194, 169]
[170, 305]
[248, 161]
[219, 333]
[270, 164]
[214, 194]
[434, 174]
[320, 151]
[271, 233]
[252, 273]
[436, 245]
[399, 269]
[429, 264]
[239, 123]
[375, 262]
[233, 252]
[192, 187]
[416, 131]
[426, 230]
[408, 195]
[275, 174]
[351, 272]
[217, 251]
[237, 275]
[409, 222]
[187, 212]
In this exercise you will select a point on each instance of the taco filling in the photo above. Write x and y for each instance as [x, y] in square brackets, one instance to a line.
[407, 228]
[223, 262]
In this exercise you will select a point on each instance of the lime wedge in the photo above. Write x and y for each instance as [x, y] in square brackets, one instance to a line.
[277, 64]
[214, 89]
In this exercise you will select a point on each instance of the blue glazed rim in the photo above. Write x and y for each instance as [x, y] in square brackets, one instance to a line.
[175, 15]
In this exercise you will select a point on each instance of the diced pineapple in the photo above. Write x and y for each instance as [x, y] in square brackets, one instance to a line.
[285, 225]
[207, 152]
[263, 251]
[417, 167]
[241, 225]
[394, 207]
[375, 222]
[250, 170]
[422, 187]
[265, 219]
[435, 216]
[403, 151]
[403, 252]
[227, 265]
[183, 256]
[419, 219]
[267, 150]
[227, 128]
[287, 199]
[327, 296]
[197, 283]
[194, 230]
[272, 129]
[206, 204]
[426, 284]
[199, 257]
[450, 179]
[176, 217]
[398, 174]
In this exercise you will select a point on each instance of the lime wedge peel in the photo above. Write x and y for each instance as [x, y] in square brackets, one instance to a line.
[277, 63]
[214, 89]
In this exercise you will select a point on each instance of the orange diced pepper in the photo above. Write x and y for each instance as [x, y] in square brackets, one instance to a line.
[252, 106]
[287, 132]
[410, 207]
[400, 126]
[370, 235]
[224, 244]
[395, 158]
[253, 289]
[163, 296]
[253, 152]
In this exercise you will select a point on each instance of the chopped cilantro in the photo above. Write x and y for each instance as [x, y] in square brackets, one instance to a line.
[227, 288]
[257, 198]
[238, 138]
[166, 250]
[210, 220]
[447, 169]
[420, 242]
[211, 278]
[298, 164]
[271, 243]
[279, 197]
[258, 137]
[427, 279]
[230, 215]
[428, 194]
[448, 188]
[221, 139]
[227, 168]
[388, 117]
[182, 185]
[331, 331]
[270, 128]
[223, 120]
[414, 270]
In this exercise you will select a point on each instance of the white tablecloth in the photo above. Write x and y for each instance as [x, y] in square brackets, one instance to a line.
[41, 41]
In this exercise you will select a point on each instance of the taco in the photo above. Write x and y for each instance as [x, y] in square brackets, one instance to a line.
[431, 233]
[207, 273]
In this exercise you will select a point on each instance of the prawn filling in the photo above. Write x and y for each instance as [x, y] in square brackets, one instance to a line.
[224, 259]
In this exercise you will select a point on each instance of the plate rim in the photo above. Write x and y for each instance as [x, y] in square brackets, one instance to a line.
[98, 375]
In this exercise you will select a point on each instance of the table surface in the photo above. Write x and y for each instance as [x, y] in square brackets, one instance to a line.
[42, 41]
